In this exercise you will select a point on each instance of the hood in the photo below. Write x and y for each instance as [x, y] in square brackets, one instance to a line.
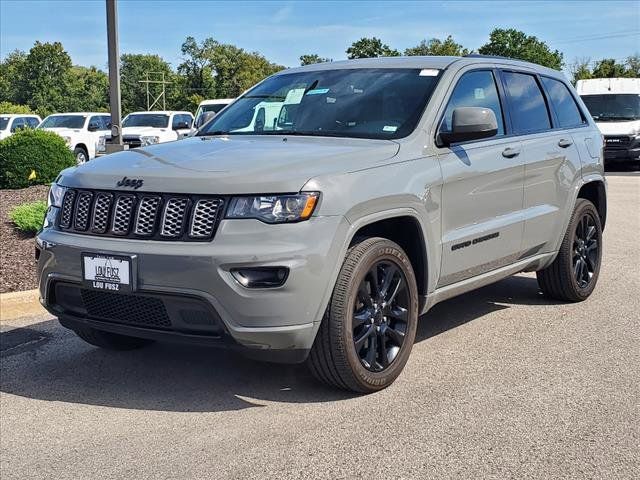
[64, 132]
[628, 127]
[232, 165]
[143, 131]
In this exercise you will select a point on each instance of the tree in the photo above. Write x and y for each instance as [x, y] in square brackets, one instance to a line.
[312, 58]
[580, 70]
[134, 69]
[633, 66]
[435, 46]
[8, 108]
[369, 48]
[86, 90]
[41, 82]
[196, 69]
[10, 74]
[516, 44]
[609, 68]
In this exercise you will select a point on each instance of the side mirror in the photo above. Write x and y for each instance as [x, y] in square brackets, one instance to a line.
[181, 126]
[93, 127]
[470, 123]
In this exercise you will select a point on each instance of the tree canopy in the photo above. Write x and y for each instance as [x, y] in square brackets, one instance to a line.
[516, 44]
[312, 58]
[369, 48]
[435, 46]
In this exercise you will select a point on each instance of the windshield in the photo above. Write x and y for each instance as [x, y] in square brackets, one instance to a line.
[618, 106]
[202, 109]
[155, 120]
[362, 103]
[63, 121]
[4, 121]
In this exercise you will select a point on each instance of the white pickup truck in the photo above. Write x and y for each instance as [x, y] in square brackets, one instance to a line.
[80, 130]
[211, 107]
[10, 123]
[140, 129]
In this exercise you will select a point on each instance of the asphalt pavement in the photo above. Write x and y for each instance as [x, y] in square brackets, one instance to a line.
[501, 383]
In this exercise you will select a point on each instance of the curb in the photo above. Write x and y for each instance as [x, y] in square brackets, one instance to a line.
[14, 305]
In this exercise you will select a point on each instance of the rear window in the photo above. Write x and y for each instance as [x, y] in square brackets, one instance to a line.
[528, 108]
[563, 103]
[4, 121]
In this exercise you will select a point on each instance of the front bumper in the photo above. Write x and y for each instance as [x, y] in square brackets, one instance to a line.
[269, 322]
[627, 149]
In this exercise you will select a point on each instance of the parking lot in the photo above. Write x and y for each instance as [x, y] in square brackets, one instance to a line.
[502, 383]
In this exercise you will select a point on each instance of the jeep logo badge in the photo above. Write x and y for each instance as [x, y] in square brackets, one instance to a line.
[130, 182]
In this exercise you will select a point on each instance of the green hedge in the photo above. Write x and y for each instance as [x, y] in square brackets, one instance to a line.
[28, 217]
[32, 157]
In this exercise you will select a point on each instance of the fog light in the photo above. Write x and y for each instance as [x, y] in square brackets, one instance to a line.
[260, 277]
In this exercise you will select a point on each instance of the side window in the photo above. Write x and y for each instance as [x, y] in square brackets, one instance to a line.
[563, 103]
[96, 122]
[106, 122]
[188, 119]
[18, 123]
[176, 120]
[528, 108]
[32, 122]
[474, 89]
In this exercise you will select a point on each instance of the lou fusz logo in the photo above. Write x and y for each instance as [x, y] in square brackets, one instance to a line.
[130, 182]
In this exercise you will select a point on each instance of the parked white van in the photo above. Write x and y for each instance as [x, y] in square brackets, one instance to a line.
[614, 104]
[207, 106]
[80, 130]
[12, 122]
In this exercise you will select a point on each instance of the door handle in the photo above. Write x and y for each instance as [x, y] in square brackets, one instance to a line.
[564, 143]
[510, 152]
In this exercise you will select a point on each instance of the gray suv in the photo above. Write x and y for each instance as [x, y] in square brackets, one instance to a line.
[318, 216]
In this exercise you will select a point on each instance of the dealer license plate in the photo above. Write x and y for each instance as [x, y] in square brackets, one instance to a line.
[107, 272]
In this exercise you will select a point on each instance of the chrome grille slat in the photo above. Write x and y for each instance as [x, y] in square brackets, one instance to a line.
[101, 210]
[123, 209]
[146, 216]
[203, 218]
[141, 215]
[83, 207]
[173, 217]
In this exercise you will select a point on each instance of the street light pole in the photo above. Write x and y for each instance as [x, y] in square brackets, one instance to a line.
[115, 144]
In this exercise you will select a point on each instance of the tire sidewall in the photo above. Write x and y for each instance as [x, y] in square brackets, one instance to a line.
[79, 150]
[381, 250]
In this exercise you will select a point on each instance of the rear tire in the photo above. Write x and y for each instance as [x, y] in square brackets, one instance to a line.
[574, 273]
[111, 341]
[369, 327]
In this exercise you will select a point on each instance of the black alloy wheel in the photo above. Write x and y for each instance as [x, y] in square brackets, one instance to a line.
[380, 316]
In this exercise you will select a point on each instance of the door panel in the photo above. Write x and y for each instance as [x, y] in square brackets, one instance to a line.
[550, 170]
[482, 217]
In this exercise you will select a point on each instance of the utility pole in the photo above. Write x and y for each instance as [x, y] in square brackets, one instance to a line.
[153, 100]
[115, 144]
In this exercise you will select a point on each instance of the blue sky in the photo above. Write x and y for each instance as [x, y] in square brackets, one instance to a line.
[282, 31]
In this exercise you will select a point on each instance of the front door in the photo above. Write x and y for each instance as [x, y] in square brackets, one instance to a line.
[482, 196]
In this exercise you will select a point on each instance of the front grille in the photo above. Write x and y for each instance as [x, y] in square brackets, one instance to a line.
[131, 309]
[140, 215]
[616, 141]
[132, 140]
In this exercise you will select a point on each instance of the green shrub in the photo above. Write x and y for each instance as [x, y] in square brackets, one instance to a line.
[8, 108]
[28, 217]
[32, 157]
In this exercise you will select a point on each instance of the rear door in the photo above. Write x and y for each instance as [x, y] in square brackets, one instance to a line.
[482, 194]
[551, 159]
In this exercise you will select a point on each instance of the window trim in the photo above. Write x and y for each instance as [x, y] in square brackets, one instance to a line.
[506, 119]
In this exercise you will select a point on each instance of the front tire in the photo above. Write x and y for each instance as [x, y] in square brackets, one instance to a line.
[369, 327]
[111, 341]
[81, 155]
[574, 273]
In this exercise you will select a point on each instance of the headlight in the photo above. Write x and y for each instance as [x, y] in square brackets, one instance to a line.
[274, 208]
[149, 140]
[101, 144]
[56, 194]
[67, 140]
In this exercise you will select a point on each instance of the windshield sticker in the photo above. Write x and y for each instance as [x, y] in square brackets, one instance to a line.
[331, 100]
[479, 93]
[318, 91]
[389, 128]
[429, 72]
